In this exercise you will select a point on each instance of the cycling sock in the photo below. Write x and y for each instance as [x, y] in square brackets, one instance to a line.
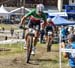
[33, 48]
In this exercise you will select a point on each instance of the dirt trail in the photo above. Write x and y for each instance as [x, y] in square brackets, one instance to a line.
[41, 60]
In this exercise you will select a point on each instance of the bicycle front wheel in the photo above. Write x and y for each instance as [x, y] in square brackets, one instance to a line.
[29, 49]
[49, 44]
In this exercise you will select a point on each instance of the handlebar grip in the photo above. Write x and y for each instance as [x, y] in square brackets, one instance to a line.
[21, 27]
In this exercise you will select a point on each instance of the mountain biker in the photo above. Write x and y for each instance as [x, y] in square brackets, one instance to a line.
[64, 34]
[35, 17]
[49, 27]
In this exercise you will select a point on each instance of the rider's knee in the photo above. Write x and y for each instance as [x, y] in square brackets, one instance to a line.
[36, 37]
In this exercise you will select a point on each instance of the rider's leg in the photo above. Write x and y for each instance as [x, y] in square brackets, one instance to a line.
[35, 42]
[26, 43]
[49, 42]
[36, 37]
[46, 38]
[50, 45]
[41, 36]
[27, 31]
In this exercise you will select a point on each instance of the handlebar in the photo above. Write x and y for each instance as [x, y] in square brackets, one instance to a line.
[23, 27]
[31, 30]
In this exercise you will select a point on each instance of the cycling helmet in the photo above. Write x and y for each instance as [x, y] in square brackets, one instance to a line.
[40, 8]
[48, 20]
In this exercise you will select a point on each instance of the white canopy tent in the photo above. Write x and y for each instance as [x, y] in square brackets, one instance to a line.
[19, 11]
[3, 12]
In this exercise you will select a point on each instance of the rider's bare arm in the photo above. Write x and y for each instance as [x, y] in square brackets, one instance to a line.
[22, 20]
[43, 25]
[26, 16]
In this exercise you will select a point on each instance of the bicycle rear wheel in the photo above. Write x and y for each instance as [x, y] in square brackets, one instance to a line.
[29, 49]
[49, 46]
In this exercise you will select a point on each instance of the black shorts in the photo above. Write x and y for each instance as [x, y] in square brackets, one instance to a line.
[35, 25]
[48, 28]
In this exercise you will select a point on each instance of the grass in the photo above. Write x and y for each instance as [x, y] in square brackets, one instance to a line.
[8, 26]
[13, 49]
[46, 60]
[15, 57]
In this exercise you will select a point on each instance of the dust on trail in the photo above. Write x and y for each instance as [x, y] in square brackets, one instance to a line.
[19, 60]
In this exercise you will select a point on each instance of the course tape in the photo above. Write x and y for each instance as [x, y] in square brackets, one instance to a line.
[11, 41]
[67, 50]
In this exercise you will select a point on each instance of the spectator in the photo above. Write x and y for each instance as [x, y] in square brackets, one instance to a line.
[70, 55]
[63, 33]
[71, 29]
[12, 31]
[3, 28]
[18, 35]
[6, 37]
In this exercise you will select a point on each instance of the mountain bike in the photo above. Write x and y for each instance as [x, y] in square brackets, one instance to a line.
[30, 45]
[49, 41]
[30, 40]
